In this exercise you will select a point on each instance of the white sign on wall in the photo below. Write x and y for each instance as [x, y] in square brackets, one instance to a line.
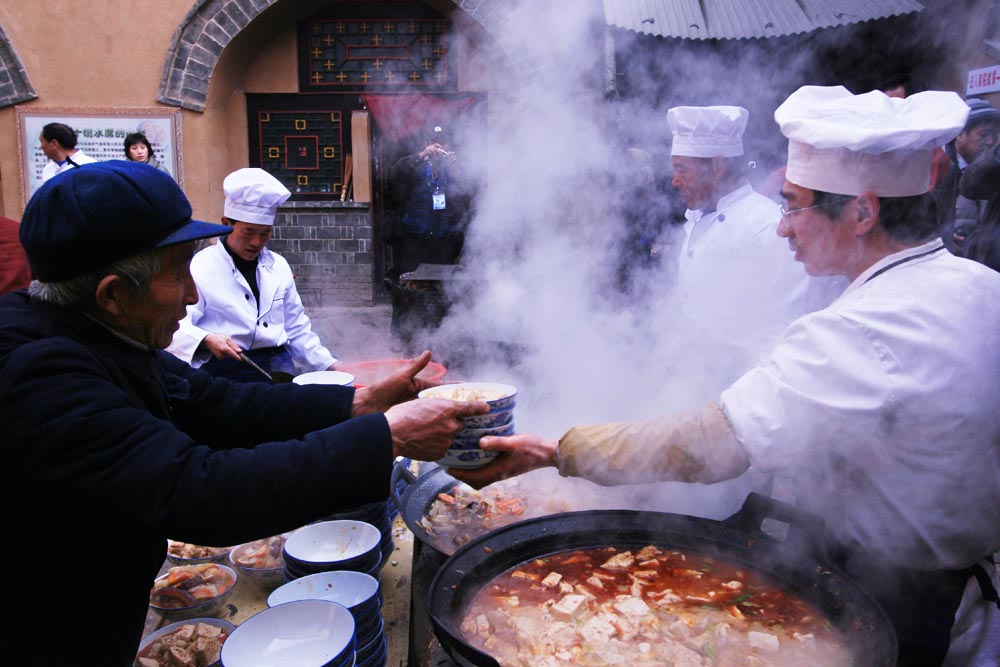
[100, 134]
[983, 80]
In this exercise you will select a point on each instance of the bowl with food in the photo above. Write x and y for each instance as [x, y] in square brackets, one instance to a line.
[260, 562]
[183, 553]
[190, 591]
[333, 545]
[200, 640]
[301, 632]
[497, 395]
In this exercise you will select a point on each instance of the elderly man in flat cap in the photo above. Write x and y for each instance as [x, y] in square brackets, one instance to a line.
[882, 406]
[113, 445]
[247, 299]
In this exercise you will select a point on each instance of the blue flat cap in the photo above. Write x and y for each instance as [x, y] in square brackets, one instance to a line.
[87, 218]
[980, 110]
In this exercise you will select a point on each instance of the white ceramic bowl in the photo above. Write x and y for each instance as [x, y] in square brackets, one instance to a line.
[304, 632]
[226, 627]
[505, 400]
[325, 377]
[332, 542]
[345, 587]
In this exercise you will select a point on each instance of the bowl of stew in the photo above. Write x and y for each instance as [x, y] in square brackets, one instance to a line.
[184, 553]
[260, 562]
[190, 591]
[498, 396]
[199, 638]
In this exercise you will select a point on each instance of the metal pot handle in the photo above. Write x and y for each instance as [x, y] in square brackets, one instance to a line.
[401, 478]
[802, 529]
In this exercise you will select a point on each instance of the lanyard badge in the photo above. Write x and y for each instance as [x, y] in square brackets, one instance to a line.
[438, 200]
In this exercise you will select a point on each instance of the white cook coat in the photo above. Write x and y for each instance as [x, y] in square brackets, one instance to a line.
[885, 408]
[52, 167]
[226, 306]
[738, 284]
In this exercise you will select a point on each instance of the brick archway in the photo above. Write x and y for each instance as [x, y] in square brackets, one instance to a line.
[15, 87]
[211, 25]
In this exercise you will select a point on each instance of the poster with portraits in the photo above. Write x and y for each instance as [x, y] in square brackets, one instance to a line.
[100, 134]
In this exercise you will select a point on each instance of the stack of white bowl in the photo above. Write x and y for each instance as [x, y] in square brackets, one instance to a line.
[302, 632]
[359, 593]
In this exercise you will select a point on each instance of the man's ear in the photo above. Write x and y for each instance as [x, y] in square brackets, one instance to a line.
[108, 295]
[867, 206]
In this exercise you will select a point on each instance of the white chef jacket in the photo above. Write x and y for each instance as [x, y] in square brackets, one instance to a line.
[885, 407]
[738, 284]
[52, 167]
[226, 306]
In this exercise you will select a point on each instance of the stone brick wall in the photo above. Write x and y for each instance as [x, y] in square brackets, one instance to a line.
[329, 246]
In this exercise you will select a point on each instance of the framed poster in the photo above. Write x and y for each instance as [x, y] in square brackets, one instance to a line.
[100, 134]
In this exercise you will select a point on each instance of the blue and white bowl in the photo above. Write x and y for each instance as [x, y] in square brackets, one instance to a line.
[477, 433]
[303, 632]
[497, 419]
[466, 459]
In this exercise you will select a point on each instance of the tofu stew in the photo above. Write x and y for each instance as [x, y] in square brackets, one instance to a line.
[647, 607]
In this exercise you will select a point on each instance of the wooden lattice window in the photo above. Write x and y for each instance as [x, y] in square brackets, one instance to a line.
[375, 47]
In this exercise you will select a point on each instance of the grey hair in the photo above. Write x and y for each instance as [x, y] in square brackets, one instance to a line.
[136, 271]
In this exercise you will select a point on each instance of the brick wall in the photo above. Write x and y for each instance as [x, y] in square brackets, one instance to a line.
[329, 246]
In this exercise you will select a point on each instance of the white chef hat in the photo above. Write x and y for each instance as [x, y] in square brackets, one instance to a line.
[848, 144]
[253, 195]
[707, 131]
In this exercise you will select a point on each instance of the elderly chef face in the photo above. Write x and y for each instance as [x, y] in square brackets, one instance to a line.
[824, 237]
[694, 180]
[247, 239]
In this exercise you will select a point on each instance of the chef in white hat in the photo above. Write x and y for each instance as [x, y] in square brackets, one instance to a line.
[882, 407]
[737, 285]
[247, 300]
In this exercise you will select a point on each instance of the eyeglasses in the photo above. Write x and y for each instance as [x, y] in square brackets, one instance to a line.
[786, 213]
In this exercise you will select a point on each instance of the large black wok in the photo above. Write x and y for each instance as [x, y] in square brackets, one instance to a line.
[796, 564]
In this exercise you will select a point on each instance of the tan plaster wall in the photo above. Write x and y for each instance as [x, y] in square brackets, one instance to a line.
[80, 54]
[111, 54]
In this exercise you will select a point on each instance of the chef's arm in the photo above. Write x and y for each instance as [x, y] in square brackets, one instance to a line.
[695, 446]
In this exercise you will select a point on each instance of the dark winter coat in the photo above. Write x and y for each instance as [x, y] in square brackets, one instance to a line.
[111, 448]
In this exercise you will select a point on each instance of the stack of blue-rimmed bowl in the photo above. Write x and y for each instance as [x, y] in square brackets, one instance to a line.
[333, 545]
[378, 515]
[465, 452]
[359, 593]
[301, 632]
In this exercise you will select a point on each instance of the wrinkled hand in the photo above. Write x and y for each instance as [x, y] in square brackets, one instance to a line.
[424, 429]
[221, 346]
[518, 454]
[393, 389]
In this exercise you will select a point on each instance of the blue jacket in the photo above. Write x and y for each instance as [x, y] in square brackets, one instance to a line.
[110, 449]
